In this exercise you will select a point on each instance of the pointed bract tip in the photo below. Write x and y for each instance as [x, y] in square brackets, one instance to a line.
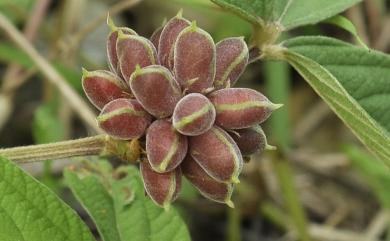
[179, 13]
[165, 20]
[235, 180]
[275, 106]
[270, 147]
[193, 26]
[85, 72]
[230, 203]
[121, 34]
[138, 69]
[111, 23]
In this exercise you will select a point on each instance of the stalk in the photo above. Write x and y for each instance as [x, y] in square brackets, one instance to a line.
[95, 145]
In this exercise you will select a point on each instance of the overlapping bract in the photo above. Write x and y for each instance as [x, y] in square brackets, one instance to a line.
[174, 89]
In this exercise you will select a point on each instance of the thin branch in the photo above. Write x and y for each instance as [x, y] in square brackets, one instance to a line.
[91, 26]
[95, 145]
[75, 101]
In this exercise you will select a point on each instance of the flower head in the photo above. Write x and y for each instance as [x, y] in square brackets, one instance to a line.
[175, 89]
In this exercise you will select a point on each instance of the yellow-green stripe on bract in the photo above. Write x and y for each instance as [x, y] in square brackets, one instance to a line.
[186, 120]
[193, 115]
[239, 108]
[165, 147]
[102, 86]
[162, 188]
[232, 58]
[217, 153]
[124, 119]
[194, 59]
[134, 51]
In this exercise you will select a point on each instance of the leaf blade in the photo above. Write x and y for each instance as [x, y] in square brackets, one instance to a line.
[136, 217]
[96, 201]
[36, 212]
[353, 115]
[364, 74]
[304, 12]
[288, 13]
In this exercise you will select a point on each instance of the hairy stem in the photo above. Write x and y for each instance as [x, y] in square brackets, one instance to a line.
[95, 145]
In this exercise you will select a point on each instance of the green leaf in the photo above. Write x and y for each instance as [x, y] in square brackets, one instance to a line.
[304, 12]
[375, 173]
[364, 74]
[289, 13]
[344, 23]
[30, 211]
[340, 101]
[122, 211]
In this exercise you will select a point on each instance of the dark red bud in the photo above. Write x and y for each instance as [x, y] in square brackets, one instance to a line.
[207, 186]
[250, 140]
[111, 45]
[156, 90]
[168, 37]
[102, 86]
[193, 115]
[155, 38]
[165, 147]
[163, 188]
[239, 108]
[124, 119]
[218, 154]
[134, 50]
[194, 59]
[232, 58]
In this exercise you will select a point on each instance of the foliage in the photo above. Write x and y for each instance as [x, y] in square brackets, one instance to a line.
[119, 206]
[30, 211]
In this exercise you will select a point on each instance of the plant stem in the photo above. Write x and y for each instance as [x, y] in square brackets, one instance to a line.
[94, 145]
[291, 199]
[77, 103]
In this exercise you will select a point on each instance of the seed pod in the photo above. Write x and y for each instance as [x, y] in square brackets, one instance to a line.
[156, 90]
[124, 119]
[250, 140]
[163, 188]
[111, 44]
[206, 185]
[168, 37]
[218, 154]
[232, 58]
[102, 86]
[132, 51]
[194, 59]
[239, 108]
[165, 147]
[155, 38]
[193, 115]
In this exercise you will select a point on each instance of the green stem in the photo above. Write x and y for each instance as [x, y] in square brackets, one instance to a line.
[233, 231]
[291, 199]
[94, 145]
[278, 88]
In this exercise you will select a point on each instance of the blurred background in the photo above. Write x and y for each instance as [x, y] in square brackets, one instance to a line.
[320, 184]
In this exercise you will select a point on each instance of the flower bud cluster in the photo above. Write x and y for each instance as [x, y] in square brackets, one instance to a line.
[174, 89]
